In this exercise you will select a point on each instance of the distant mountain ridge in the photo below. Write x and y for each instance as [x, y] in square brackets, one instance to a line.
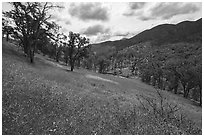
[186, 31]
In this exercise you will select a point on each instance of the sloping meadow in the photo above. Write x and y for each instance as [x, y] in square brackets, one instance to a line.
[35, 104]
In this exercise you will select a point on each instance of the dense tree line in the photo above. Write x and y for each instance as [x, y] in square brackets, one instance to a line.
[173, 67]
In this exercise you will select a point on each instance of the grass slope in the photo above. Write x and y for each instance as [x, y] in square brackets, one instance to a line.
[46, 98]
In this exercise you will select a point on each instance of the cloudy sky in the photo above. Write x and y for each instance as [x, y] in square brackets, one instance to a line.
[101, 21]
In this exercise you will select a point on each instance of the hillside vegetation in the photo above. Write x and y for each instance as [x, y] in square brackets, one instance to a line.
[57, 83]
[186, 31]
[168, 56]
[46, 98]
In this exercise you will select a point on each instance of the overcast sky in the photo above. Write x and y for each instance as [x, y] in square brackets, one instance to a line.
[103, 21]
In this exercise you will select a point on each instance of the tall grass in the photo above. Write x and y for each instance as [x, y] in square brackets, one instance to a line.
[33, 102]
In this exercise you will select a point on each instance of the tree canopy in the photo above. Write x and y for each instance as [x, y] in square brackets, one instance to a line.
[30, 22]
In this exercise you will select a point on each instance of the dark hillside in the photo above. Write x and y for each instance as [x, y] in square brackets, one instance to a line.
[187, 31]
[170, 33]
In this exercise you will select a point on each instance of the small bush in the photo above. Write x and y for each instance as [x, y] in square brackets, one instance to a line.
[164, 111]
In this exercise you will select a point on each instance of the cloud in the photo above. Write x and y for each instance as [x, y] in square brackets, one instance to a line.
[145, 18]
[129, 13]
[121, 34]
[160, 10]
[136, 5]
[61, 6]
[89, 11]
[64, 30]
[56, 18]
[53, 17]
[103, 37]
[126, 34]
[67, 22]
[168, 10]
[133, 8]
[96, 29]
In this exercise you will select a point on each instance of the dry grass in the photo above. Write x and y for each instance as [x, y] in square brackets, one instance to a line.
[46, 99]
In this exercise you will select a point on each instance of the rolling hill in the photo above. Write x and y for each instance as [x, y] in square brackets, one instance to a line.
[186, 31]
[46, 99]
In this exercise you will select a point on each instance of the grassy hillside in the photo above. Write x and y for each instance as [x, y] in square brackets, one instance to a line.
[47, 98]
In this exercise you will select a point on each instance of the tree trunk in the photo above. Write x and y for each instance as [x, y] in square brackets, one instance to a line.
[71, 64]
[30, 51]
[7, 37]
[187, 92]
[185, 95]
[31, 56]
[66, 61]
[72, 67]
[184, 90]
[31, 59]
[26, 46]
[101, 67]
[153, 81]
